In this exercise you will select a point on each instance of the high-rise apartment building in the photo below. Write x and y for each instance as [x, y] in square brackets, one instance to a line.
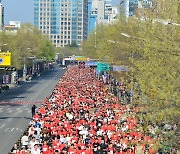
[64, 21]
[128, 7]
[101, 12]
[1, 16]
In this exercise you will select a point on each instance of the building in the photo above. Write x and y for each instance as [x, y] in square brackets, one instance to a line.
[91, 18]
[16, 24]
[101, 12]
[128, 7]
[12, 28]
[1, 16]
[64, 21]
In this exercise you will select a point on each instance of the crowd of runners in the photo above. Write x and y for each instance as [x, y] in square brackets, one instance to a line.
[83, 117]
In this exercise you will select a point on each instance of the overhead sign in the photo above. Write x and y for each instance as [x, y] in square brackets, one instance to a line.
[88, 63]
[5, 58]
[103, 67]
[81, 58]
[119, 68]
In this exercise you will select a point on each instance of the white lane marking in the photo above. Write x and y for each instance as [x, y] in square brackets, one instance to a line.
[17, 128]
[9, 119]
[6, 129]
[12, 129]
[2, 126]
[21, 130]
[18, 108]
[1, 111]
[18, 112]
[29, 111]
[10, 111]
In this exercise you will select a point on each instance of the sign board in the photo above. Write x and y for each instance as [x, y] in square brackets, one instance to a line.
[103, 67]
[88, 64]
[5, 58]
[81, 58]
[119, 68]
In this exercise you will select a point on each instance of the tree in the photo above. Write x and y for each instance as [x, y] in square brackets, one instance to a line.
[150, 48]
[28, 42]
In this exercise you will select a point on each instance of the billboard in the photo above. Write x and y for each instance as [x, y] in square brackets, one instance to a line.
[5, 58]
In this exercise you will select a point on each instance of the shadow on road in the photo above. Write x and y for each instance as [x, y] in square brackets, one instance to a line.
[15, 92]
[29, 118]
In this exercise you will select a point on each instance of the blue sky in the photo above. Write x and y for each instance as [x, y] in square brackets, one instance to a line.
[22, 10]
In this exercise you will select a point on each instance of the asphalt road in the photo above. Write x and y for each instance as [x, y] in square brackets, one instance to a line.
[15, 106]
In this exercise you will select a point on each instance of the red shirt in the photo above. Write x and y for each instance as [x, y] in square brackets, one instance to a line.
[44, 148]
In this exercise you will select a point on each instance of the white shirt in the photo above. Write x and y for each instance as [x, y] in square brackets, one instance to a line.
[24, 140]
[33, 151]
[31, 144]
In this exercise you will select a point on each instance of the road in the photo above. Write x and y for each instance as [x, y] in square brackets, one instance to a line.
[15, 117]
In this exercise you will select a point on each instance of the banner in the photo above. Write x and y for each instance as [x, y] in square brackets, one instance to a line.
[5, 59]
[119, 68]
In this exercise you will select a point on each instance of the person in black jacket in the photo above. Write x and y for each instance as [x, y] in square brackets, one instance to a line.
[33, 110]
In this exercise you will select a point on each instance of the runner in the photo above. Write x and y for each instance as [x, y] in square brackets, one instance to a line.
[83, 117]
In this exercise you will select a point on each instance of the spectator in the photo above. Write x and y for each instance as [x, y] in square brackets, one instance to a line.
[14, 149]
[33, 110]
